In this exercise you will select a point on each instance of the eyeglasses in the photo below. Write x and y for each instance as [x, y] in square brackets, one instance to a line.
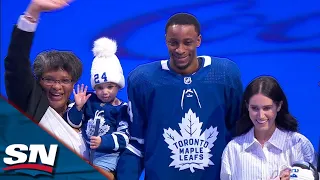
[49, 81]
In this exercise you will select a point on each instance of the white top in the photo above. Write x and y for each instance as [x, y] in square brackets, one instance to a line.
[60, 129]
[245, 159]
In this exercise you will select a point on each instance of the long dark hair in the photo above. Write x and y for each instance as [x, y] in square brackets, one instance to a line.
[269, 87]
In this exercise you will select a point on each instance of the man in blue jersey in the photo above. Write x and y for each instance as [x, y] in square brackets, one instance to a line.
[183, 110]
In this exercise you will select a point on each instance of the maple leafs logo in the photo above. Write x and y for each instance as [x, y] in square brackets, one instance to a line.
[103, 128]
[191, 149]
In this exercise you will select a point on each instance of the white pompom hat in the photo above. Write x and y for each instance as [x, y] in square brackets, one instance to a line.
[106, 66]
[298, 173]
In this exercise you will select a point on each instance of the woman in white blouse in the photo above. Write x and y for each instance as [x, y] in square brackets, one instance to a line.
[267, 139]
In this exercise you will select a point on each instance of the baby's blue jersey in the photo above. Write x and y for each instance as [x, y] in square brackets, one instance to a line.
[113, 123]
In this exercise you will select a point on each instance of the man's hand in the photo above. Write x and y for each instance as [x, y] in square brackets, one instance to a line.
[37, 6]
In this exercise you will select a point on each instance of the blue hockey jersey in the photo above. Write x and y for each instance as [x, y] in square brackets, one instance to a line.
[180, 125]
[113, 123]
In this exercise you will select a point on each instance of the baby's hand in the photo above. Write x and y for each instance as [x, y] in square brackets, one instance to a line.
[95, 142]
[80, 97]
[285, 174]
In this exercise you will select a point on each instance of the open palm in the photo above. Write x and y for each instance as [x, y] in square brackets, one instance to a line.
[49, 5]
[81, 97]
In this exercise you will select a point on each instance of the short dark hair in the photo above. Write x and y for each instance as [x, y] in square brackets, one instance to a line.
[55, 60]
[269, 87]
[183, 19]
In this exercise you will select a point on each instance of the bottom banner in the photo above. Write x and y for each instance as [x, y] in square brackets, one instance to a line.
[29, 152]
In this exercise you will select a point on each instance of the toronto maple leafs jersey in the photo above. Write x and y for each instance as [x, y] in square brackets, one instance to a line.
[180, 124]
[102, 119]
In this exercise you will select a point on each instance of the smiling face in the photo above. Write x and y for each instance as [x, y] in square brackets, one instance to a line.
[58, 86]
[182, 42]
[263, 112]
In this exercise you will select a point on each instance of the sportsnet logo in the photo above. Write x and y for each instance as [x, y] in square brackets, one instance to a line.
[19, 158]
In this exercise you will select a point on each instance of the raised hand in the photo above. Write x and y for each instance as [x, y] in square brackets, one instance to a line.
[81, 97]
[37, 6]
[49, 5]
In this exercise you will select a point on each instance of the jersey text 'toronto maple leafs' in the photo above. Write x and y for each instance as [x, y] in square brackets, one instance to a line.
[190, 148]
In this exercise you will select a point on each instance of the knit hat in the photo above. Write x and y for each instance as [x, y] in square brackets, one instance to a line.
[299, 173]
[106, 66]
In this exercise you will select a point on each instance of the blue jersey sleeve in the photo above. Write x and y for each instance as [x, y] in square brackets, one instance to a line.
[129, 166]
[137, 118]
[130, 162]
[119, 139]
[234, 97]
[74, 117]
